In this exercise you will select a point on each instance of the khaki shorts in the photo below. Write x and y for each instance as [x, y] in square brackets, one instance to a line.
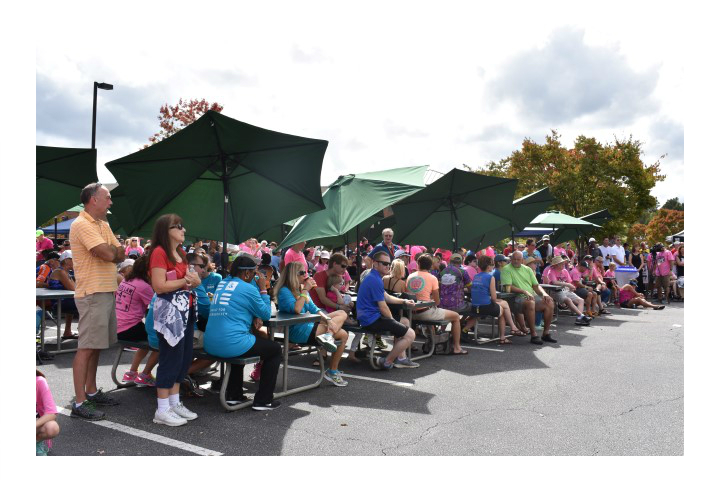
[97, 327]
[663, 281]
[433, 313]
[562, 295]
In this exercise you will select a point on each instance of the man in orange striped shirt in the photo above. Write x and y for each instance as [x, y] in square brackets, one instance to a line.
[96, 252]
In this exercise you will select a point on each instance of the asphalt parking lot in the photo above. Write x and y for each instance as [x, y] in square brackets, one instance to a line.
[614, 388]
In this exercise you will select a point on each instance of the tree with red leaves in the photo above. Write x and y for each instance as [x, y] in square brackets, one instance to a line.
[174, 118]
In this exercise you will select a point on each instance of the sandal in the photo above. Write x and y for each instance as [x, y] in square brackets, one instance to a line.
[518, 333]
[504, 341]
[72, 336]
[461, 352]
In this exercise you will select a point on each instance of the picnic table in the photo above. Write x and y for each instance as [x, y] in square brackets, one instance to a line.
[431, 323]
[50, 294]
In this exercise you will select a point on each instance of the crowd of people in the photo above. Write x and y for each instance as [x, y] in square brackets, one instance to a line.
[165, 293]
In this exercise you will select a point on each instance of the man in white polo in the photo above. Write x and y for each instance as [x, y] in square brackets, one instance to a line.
[96, 252]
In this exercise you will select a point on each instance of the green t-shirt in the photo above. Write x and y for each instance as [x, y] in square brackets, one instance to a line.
[522, 277]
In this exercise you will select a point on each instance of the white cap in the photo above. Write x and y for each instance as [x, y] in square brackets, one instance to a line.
[65, 254]
[546, 237]
[128, 262]
[592, 240]
[325, 254]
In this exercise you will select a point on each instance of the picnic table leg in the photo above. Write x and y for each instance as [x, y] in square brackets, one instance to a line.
[42, 328]
[57, 323]
[113, 372]
[286, 353]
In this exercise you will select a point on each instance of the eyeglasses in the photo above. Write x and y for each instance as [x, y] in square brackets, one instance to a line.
[387, 264]
[179, 226]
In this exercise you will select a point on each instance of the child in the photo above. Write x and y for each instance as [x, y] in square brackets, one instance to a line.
[334, 284]
[46, 428]
[610, 273]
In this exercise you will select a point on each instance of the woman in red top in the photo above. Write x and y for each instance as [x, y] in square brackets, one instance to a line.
[173, 316]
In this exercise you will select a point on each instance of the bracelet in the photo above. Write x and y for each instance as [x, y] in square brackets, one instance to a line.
[263, 292]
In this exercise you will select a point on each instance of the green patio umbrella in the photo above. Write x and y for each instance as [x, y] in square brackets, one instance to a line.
[61, 174]
[227, 179]
[454, 210]
[277, 232]
[354, 203]
[565, 234]
[524, 210]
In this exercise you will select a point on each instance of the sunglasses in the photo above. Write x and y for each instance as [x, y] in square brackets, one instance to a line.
[387, 264]
[302, 272]
[343, 266]
[179, 226]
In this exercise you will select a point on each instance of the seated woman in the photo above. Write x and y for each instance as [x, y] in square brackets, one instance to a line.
[60, 279]
[485, 301]
[238, 300]
[123, 269]
[291, 292]
[427, 288]
[131, 303]
[394, 282]
[629, 297]
[609, 278]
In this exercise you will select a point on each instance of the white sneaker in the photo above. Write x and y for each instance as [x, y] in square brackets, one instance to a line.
[182, 412]
[327, 342]
[169, 417]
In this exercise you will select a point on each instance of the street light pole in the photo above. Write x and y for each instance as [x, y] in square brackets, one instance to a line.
[102, 86]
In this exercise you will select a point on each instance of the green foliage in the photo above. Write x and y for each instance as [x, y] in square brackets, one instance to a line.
[674, 204]
[586, 178]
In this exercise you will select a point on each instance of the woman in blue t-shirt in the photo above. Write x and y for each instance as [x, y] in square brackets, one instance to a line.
[485, 301]
[241, 301]
[291, 292]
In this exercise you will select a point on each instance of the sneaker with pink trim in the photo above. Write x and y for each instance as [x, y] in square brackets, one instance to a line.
[255, 375]
[129, 376]
[143, 380]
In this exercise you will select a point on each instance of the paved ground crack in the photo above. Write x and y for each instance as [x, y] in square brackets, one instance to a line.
[642, 405]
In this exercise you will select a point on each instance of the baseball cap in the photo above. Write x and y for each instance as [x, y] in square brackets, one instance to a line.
[325, 254]
[247, 261]
[456, 257]
[39, 232]
[65, 254]
[128, 262]
[546, 237]
[592, 239]
[501, 258]
[401, 253]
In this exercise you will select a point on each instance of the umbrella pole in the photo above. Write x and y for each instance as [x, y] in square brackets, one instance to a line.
[455, 226]
[224, 256]
[358, 258]
[55, 229]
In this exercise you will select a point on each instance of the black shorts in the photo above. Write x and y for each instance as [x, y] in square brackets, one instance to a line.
[492, 309]
[136, 333]
[582, 292]
[396, 328]
[626, 304]
[313, 333]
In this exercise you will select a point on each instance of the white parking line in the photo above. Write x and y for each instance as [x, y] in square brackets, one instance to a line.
[150, 436]
[380, 380]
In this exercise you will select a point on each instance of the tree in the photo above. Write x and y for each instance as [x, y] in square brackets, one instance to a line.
[176, 117]
[586, 178]
[637, 233]
[674, 204]
[664, 224]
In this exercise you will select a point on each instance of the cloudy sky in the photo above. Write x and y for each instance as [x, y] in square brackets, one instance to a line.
[387, 84]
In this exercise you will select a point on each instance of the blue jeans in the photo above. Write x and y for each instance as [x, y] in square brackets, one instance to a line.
[605, 295]
[173, 362]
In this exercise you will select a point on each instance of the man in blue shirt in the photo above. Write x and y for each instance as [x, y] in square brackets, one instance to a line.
[387, 244]
[374, 314]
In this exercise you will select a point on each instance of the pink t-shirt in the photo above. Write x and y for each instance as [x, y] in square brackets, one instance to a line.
[414, 250]
[131, 302]
[575, 275]
[609, 273]
[544, 275]
[321, 267]
[625, 295]
[412, 266]
[471, 271]
[663, 260]
[44, 402]
[422, 284]
[138, 250]
[45, 244]
[490, 252]
[561, 276]
[557, 251]
[293, 256]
